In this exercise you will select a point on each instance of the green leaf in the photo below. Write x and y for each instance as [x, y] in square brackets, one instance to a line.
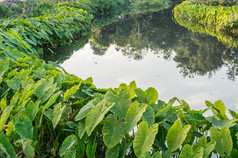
[71, 153]
[187, 152]
[67, 144]
[221, 123]
[4, 66]
[4, 116]
[96, 114]
[112, 152]
[28, 149]
[81, 129]
[91, 149]
[113, 131]
[207, 147]
[149, 115]
[57, 113]
[144, 138]
[124, 147]
[122, 102]
[219, 105]
[223, 140]
[176, 135]
[6, 146]
[25, 128]
[133, 115]
[166, 108]
[3, 103]
[157, 155]
[32, 109]
[52, 100]
[84, 110]
[151, 95]
[14, 83]
[71, 92]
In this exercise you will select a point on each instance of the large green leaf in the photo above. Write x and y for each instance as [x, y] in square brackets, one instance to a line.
[25, 128]
[157, 155]
[6, 146]
[112, 152]
[144, 138]
[4, 66]
[133, 115]
[149, 115]
[187, 152]
[42, 86]
[176, 135]
[81, 129]
[221, 123]
[57, 113]
[207, 147]
[164, 109]
[52, 100]
[4, 116]
[67, 144]
[71, 92]
[113, 131]
[28, 149]
[14, 83]
[96, 114]
[71, 153]
[223, 140]
[85, 110]
[150, 96]
[122, 102]
[124, 148]
[91, 149]
[32, 109]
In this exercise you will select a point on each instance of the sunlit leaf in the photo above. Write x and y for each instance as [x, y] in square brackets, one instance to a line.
[133, 115]
[113, 131]
[176, 135]
[144, 138]
[96, 114]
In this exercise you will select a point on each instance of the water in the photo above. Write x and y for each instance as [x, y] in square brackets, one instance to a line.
[156, 52]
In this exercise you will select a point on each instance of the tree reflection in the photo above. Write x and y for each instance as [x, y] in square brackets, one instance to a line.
[195, 54]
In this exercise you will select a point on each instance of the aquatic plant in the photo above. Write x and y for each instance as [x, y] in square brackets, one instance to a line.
[44, 111]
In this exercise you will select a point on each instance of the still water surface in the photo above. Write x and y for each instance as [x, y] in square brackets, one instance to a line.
[154, 51]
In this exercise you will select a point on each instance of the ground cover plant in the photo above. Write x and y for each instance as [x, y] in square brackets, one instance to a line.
[46, 112]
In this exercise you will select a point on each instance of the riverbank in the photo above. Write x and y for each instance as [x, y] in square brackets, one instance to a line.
[218, 21]
[46, 112]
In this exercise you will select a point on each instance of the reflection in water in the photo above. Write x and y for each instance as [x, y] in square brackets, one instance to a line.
[147, 48]
[195, 54]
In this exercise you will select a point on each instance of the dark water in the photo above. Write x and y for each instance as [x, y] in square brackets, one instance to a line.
[154, 51]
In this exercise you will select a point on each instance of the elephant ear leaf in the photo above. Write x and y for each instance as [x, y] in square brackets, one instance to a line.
[176, 135]
[122, 102]
[187, 152]
[133, 115]
[71, 92]
[25, 128]
[113, 131]
[6, 146]
[223, 140]
[96, 115]
[207, 147]
[144, 138]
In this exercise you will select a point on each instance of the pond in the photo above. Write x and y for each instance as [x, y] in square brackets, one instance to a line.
[154, 51]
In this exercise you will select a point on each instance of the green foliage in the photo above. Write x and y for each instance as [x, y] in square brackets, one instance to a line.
[6, 146]
[176, 135]
[223, 140]
[218, 21]
[46, 112]
[144, 138]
